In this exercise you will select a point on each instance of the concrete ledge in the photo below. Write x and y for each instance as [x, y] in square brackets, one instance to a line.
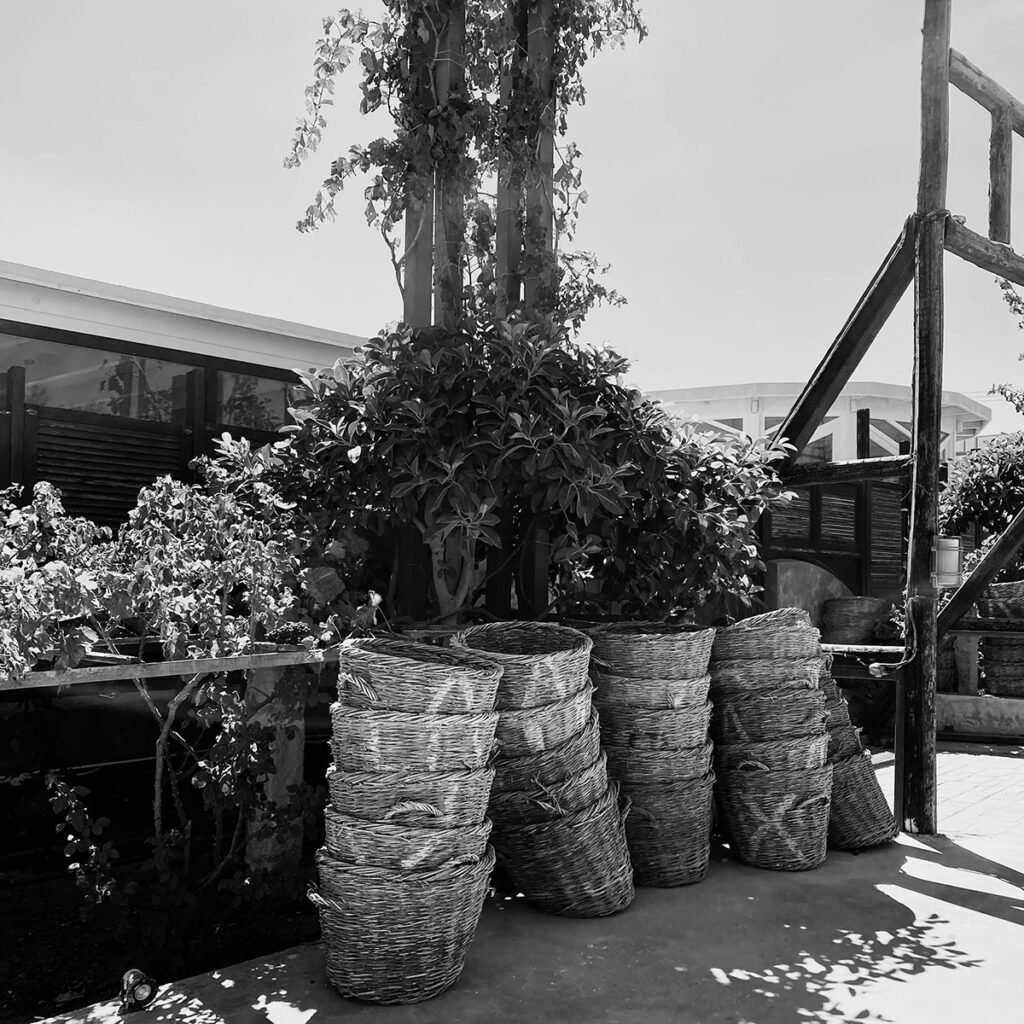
[971, 715]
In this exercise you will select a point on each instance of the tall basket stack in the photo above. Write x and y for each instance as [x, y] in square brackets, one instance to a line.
[406, 862]
[559, 833]
[773, 780]
[1004, 655]
[652, 695]
[859, 816]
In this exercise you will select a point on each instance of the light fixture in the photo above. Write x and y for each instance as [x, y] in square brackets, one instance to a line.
[138, 990]
[947, 563]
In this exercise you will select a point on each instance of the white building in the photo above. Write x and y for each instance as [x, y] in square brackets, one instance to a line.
[758, 409]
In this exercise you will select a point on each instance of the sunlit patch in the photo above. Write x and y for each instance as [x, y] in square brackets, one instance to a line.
[960, 878]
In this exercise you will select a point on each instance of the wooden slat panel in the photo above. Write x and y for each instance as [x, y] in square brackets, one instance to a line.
[791, 524]
[839, 519]
[886, 539]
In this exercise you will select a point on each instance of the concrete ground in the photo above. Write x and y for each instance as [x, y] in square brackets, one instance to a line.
[917, 931]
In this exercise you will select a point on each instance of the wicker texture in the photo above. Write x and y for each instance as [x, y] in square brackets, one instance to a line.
[668, 830]
[860, 816]
[776, 755]
[843, 741]
[852, 620]
[424, 799]
[783, 634]
[655, 729]
[763, 716]
[552, 766]
[542, 661]
[838, 713]
[631, 765]
[649, 693]
[399, 675]
[1008, 684]
[1002, 601]
[1003, 649]
[531, 730]
[653, 650]
[401, 847]
[576, 866]
[749, 674]
[368, 740]
[776, 820]
[398, 936]
[535, 804]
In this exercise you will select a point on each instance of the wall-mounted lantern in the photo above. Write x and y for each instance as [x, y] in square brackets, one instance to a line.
[947, 563]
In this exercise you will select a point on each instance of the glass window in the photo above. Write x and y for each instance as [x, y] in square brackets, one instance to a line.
[257, 402]
[91, 380]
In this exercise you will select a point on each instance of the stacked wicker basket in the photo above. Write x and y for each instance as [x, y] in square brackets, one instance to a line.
[773, 780]
[1004, 655]
[406, 864]
[558, 829]
[652, 695]
[859, 816]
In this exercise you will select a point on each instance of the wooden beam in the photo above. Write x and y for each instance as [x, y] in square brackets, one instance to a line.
[973, 82]
[915, 741]
[868, 317]
[1000, 177]
[995, 257]
[16, 408]
[887, 467]
[996, 558]
[863, 433]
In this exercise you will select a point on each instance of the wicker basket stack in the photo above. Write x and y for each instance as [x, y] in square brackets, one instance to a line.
[1002, 601]
[559, 832]
[652, 694]
[859, 816]
[773, 780]
[1003, 666]
[406, 862]
[852, 620]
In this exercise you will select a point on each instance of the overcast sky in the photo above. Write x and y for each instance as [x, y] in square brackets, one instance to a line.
[748, 165]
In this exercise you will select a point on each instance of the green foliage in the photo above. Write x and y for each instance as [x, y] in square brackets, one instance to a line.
[468, 137]
[1015, 303]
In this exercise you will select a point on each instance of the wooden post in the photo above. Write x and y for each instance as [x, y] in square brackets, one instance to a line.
[915, 742]
[16, 431]
[538, 240]
[195, 418]
[863, 433]
[449, 200]
[1000, 171]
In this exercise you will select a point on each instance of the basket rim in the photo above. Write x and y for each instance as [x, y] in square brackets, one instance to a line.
[575, 641]
[393, 653]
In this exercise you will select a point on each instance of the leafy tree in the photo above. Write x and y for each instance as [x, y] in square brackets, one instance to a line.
[1015, 303]
[475, 135]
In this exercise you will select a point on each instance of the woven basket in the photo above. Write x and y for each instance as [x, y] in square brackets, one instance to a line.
[763, 717]
[398, 936]
[528, 806]
[532, 730]
[860, 815]
[648, 693]
[656, 728]
[425, 799]
[1002, 601]
[1005, 683]
[748, 674]
[399, 675]
[852, 620]
[376, 741]
[776, 820]
[550, 767]
[830, 689]
[643, 767]
[1002, 650]
[838, 713]
[401, 847]
[576, 866]
[543, 662]
[783, 634]
[776, 755]
[668, 830]
[843, 741]
[653, 649]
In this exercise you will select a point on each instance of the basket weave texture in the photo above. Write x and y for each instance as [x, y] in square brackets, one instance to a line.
[543, 662]
[398, 936]
[535, 729]
[630, 765]
[775, 755]
[669, 830]
[762, 716]
[649, 693]
[422, 799]
[838, 712]
[1005, 650]
[652, 650]
[776, 820]
[860, 816]
[576, 866]
[364, 739]
[843, 741]
[783, 634]
[401, 847]
[534, 804]
[749, 674]
[552, 766]
[655, 728]
[1002, 601]
[1005, 683]
[399, 675]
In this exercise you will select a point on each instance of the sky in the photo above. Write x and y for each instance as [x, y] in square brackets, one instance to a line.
[748, 167]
